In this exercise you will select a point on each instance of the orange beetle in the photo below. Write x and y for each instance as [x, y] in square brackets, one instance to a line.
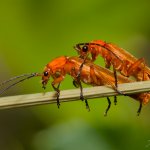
[90, 74]
[120, 59]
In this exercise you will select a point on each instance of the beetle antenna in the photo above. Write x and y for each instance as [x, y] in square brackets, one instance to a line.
[16, 77]
[27, 76]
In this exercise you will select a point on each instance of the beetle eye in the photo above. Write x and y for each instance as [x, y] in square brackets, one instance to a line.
[85, 48]
[45, 73]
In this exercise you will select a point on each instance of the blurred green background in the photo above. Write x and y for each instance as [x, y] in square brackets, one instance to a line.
[33, 32]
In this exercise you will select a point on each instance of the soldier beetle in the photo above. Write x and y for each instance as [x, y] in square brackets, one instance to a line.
[90, 74]
[120, 59]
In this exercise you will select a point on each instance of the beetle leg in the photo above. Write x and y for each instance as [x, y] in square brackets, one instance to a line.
[77, 83]
[139, 109]
[94, 78]
[81, 95]
[80, 69]
[58, 93]
[108, 107]
[116, 84]
[57, 81]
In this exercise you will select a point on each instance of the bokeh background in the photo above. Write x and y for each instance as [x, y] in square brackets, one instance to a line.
[33, 32]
